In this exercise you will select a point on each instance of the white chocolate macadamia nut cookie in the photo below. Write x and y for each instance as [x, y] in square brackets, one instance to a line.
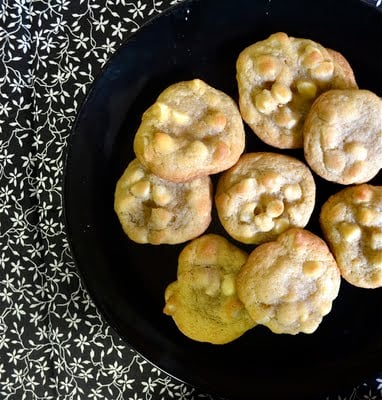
[191, 130]
[263, 195]
[289, 285]
[203, 301]
[278, 80]
[153, 210]
[343, 136]
[352, 224]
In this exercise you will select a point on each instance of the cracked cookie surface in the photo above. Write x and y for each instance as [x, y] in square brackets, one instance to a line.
[278, 80]
[203, 300]
[154, 210]
[352, 224]
[263, 195]
[343, 136]
[289, 284]
[191, 130]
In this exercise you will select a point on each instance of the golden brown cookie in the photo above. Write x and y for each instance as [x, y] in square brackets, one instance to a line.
[203, 301]
[153, 210]
[191, 130]
[352, 224]
[289, 285]
[344, 66]
[343, 136]
[278, 80]
[263, 195]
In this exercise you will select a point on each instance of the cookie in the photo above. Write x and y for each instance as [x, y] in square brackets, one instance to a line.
[278, 80]
[191, 130]
[289, 284]
[344, 66]
[263, 195]
[153, 210]
[203, 300]
[351, 221]
[343, 136]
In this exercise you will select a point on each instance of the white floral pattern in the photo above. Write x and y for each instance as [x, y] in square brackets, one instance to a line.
[53, 342]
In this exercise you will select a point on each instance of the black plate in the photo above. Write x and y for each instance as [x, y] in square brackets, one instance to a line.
[127, 281]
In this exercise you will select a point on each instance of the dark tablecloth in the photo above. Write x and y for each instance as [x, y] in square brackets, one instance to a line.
[53, 342]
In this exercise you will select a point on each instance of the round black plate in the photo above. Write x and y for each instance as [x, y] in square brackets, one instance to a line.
[127, 281]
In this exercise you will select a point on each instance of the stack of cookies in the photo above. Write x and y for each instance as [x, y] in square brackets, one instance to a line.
[293, 93]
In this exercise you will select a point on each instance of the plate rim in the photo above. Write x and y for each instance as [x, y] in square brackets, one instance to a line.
[67, 159]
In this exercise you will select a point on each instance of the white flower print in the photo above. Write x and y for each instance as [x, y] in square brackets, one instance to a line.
[137, 9]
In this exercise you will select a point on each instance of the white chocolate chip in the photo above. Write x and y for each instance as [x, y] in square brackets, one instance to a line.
[325, 307]
[212, 289]
[141, 189]
[228, 285]
[368, 216]
[286, 118]
[338, 212]
[312, 57]
[271, 180]
[164, 143]
[228, 204]
[263, 222]
[246, 230]
[329, 137]
[160, 218]
[275, 208]
[222, 151]
[167, 113]
[198, 86]
[362, 194]
[136, 175]
[126, 203]
[216, 121]
[247, 212]
[265, 102]
[170, 306]
[323, 72]
[161, 195]
[335, 160]
[307, 89]
[140, 234]
[281, 93]
[355, 170]
[163, 111]
[376, 240]
[267, 67]
[313, 268]
[193, 198]
[286, 314]
[197, 149]
[292, 295]
[262, 314]
[244, 187]
[281, 225]
[310, 325]
[357, 150]
[292, 192]
[350, 231]
[294, 213]
[303, 311]
[206, 279]
[212, 99]
[180, 117]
